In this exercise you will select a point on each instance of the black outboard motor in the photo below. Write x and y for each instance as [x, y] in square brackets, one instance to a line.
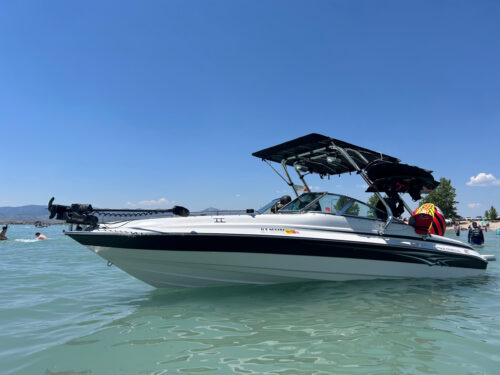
[57, 210]
[81, 208]
[82, 219]
[79, 213]
[74, 214]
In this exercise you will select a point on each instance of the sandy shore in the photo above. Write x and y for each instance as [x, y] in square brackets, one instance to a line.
[494, 225]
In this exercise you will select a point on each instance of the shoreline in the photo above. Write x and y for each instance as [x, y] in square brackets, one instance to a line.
[464, 224]
[30, 223]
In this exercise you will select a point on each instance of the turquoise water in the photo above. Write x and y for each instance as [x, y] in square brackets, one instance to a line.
[63, 311]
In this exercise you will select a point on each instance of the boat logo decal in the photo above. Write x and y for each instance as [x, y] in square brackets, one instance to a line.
[454, 250]
[219, 220]
[271, 229]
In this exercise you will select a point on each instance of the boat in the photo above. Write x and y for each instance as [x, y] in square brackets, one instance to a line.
[315, 236]
[39, 224]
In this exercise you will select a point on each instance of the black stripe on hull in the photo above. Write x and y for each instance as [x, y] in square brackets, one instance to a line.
[279, 245]
[434, 239]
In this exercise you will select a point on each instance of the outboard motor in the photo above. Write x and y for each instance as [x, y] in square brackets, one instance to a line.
[57, 210]
[74, 214]
[81, 208]
[82, 219]
[79, 213]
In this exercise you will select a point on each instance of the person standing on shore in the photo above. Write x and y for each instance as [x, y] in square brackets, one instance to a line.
[40, 236]
[3, 232]
[476, 236]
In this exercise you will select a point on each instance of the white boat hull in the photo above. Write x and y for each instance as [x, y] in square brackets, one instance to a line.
[267, 249]
[201, 268]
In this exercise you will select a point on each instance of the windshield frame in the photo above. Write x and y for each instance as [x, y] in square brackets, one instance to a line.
[342, 211]
[284, 209]
[267, 207]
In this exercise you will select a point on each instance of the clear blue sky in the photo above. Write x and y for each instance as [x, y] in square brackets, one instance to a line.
[116, 102]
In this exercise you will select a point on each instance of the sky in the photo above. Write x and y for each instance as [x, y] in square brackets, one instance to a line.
[156, 103]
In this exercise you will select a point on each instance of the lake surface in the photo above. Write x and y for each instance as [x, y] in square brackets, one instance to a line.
[63, 311]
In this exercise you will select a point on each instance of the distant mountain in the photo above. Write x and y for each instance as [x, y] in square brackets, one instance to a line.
[21, 214]
[210, 209]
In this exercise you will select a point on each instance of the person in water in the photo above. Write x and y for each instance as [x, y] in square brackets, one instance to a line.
[40, 236]
[476, 236]
[3, 232]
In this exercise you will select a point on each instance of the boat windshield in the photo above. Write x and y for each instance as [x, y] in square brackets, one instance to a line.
[267, 208]
[302, 202]
[332, 204]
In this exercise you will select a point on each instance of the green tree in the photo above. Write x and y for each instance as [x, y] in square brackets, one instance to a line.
[443, 197]
[373, 200]
[486, 214]
[492, 214]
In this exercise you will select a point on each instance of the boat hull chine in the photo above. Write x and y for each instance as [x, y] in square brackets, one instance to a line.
[195, 269]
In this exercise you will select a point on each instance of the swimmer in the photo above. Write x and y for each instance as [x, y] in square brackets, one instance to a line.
[40, 236]
[2, 233]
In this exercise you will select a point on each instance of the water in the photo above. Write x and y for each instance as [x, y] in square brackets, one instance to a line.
[63, 311]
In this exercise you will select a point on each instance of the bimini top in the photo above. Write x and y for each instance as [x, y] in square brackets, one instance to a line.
[320, 154]
[315, 153]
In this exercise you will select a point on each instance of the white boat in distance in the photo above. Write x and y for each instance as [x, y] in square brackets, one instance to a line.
[316, 236]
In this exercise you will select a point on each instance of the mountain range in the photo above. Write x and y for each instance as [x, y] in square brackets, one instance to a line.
[23, 214]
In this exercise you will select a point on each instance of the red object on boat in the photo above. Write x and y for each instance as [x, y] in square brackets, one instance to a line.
[428, 218]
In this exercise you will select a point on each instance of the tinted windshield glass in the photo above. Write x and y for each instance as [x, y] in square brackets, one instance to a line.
[301, 202]
[357, 208]
[332, 204]
[267, 208]
[364, 210]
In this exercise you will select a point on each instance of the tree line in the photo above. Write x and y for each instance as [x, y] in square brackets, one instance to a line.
[491, 214]
[444, 197]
